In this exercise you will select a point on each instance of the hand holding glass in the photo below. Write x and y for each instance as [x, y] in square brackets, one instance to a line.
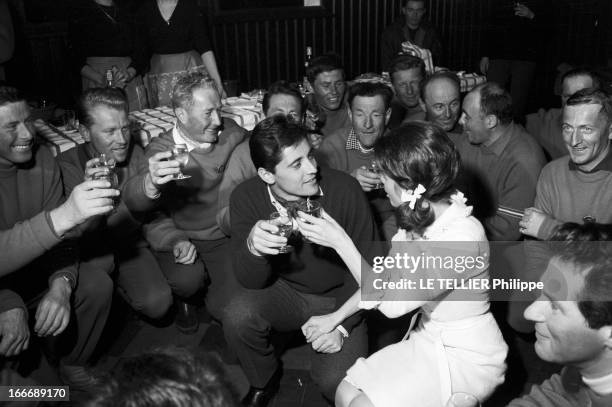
[110, 175]
[374, 168]
[285, 227]
[180, 154]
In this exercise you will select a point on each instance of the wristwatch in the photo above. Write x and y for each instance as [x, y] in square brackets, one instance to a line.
[69, 279]
[343, 331]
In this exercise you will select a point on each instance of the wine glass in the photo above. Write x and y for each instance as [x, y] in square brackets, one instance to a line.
[180, 154]
[461, 399]
[285, 228]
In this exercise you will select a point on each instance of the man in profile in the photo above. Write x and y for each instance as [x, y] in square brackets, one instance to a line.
[573, 320]
[501, 162]
[281, 99]
[410, 27]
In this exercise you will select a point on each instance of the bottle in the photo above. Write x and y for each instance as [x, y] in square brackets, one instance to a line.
[305, 84]
[109, 78]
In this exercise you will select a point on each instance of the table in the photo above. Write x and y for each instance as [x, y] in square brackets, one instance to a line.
[149, 123]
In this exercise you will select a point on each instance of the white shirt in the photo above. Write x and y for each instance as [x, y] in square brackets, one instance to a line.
[191, 145]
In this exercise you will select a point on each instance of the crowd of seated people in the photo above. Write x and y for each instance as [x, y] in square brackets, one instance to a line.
[277, 230]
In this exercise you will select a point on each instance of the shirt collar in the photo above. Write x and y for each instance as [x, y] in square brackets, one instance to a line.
[279, 207]
[604, 165]
[353, 143]
[499, 145]
[191, 145]
[457, 209]
[600, 385]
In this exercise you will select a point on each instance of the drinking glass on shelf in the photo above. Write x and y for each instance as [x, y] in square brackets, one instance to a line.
[285, 227]
[180, 154]
[374, 168]
[460, 399]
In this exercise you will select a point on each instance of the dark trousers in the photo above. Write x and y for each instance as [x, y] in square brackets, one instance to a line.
[215, 260]
[91, 303]
[520, 75]
[253, 314]
[147, 280]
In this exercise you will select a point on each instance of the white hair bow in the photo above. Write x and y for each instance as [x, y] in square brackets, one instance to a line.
[412, 196]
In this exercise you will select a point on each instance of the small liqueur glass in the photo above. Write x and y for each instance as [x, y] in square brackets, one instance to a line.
[285, 228]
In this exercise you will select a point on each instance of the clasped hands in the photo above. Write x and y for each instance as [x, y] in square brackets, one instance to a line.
[321, 333]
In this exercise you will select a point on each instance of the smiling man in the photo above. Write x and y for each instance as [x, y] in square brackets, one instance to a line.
[577, 186]
[117, 238]
[39, 268]
[284, 290]
[441, 100]
[573, 320]
[326, 76]
[352, 150]
[574, 188]
[545, 125]
[188, 207]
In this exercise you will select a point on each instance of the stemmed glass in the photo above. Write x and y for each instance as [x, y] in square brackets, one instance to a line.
[180, 154]
[285, 228]
[460, 399]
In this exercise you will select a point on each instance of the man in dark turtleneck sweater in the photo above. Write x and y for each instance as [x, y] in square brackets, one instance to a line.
[38, 270]
[284, 290]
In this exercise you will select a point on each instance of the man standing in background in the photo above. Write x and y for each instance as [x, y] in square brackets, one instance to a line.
[411, 27]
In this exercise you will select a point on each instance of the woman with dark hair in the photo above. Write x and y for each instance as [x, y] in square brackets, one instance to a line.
[456, 346]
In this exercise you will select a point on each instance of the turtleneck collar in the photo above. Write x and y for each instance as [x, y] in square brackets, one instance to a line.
[7, 168]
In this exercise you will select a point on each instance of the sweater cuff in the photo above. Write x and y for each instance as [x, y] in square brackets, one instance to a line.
[71, 278]
[44, 230]
[10, 300]
[547, 228]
